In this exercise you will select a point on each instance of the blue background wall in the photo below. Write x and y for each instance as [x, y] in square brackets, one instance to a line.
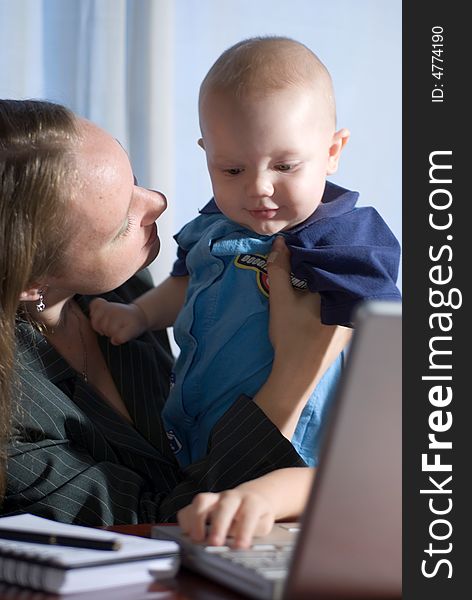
[360, 43]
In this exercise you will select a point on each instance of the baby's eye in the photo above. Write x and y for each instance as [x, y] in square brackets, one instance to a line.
[235, 171]
[284, 167]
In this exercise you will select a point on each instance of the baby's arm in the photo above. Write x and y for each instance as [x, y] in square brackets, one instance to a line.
[156, 309]
[249, 509]
[162, 304]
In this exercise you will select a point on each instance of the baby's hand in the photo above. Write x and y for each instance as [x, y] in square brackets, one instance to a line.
[240, 514]
[119, 322]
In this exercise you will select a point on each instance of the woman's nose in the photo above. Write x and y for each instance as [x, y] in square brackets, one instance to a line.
[157, 204]
[260, 186]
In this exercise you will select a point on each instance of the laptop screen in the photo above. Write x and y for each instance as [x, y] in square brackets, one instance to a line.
[350, 542]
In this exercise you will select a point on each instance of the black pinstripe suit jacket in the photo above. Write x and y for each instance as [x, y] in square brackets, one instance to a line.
[73, 458]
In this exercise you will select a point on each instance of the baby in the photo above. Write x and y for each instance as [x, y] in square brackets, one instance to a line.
[267, 119]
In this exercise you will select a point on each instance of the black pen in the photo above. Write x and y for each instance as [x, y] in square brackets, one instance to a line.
[34, 537]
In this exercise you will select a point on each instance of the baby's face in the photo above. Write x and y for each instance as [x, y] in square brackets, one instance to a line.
[268, 157]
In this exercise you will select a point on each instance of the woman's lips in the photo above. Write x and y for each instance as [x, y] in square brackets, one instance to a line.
[263, 214]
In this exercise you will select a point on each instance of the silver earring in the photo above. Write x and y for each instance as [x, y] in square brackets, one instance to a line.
[40, 306]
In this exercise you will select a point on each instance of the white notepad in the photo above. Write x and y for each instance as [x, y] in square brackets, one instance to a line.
[64, 569]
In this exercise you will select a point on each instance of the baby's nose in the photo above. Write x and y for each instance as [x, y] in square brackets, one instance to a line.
[260, 186]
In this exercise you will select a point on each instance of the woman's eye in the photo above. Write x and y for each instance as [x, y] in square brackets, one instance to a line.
[127, 227]
[232, 171]
[284, 167]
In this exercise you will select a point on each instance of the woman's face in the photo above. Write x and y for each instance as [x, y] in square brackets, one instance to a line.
[113, 232]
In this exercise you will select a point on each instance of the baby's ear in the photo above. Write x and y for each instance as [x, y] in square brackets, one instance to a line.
[338, 142]
[201, 143]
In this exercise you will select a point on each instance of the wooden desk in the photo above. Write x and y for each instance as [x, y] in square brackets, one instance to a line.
[186, 586]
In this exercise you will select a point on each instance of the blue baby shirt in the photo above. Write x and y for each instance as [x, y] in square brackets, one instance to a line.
[346, 254]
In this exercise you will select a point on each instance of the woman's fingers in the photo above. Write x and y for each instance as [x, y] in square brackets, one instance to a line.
[193, 518]
[248, 522]
[281, 298]
[278, 268]
[233, 513]
[294, 314]
[222, 517]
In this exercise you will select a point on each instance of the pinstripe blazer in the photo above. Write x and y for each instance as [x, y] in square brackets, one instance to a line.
[73, 458]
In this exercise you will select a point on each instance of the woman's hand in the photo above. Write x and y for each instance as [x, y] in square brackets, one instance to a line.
[239, 513]
[248, 510]
[304, 348]
[295, 324]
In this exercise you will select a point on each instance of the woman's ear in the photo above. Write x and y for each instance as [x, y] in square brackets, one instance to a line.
[201, 143]
[338, 142]
[31, 294]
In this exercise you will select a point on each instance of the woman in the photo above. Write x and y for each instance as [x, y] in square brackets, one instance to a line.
[82, 416]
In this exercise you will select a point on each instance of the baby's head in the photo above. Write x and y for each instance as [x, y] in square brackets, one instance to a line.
[268, 118]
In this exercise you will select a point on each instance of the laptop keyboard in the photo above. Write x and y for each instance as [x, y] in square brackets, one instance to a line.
[268, 560]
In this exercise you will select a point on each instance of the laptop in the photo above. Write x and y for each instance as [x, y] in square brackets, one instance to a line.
[348, 543]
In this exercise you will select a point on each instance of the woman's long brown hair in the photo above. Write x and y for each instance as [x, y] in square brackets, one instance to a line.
[36, 163]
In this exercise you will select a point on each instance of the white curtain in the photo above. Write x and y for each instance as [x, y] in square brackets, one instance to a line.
[110, 61]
